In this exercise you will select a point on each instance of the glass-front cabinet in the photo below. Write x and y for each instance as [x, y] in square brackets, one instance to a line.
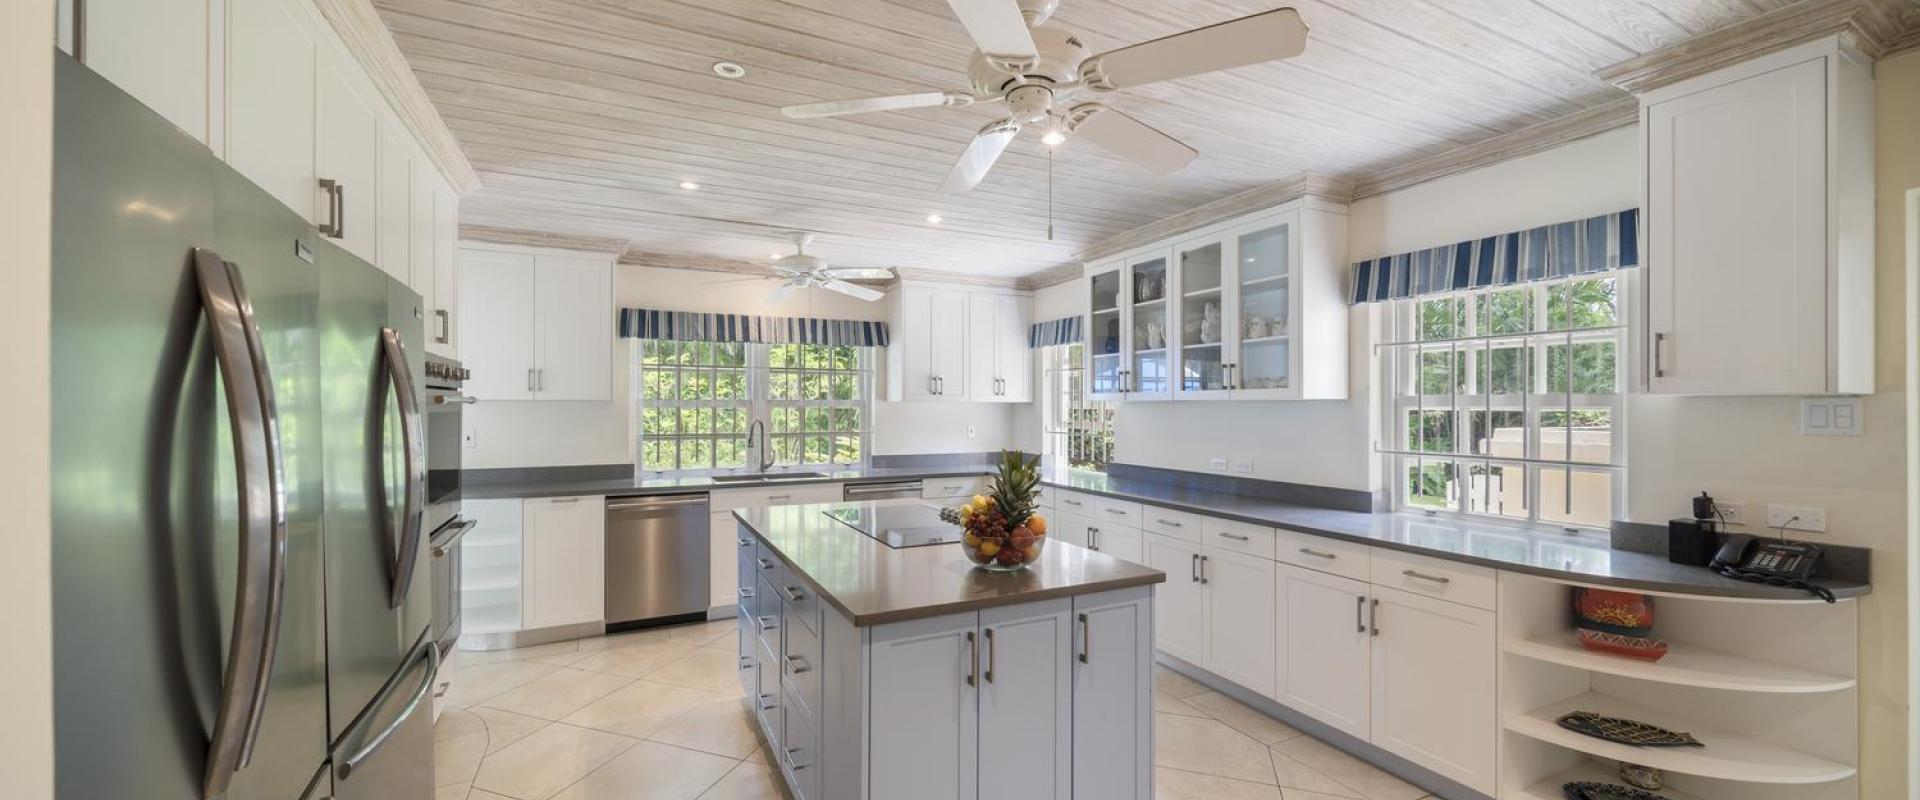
[1248, 309]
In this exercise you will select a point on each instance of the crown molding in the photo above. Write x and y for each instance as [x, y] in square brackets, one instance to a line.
[367, 38]
[1874, 27]
[1053, 276]
[1305, 184]
[640, 258]
[527, 238]
[1515, 144]
[956, 278]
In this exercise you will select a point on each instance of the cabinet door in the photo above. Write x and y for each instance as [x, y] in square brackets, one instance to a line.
[349, 146]
[270, 100]
[496, 323]
[1113, 695]
[1324, 649]
[1180, 610]
[911, 353]
[446, 254]
[564, 574]
[1265, 309]
[395, 205]
[1149, 369]
[1026, 701]
[420, 235]
[1127, 544]
[723, 574]
[573, 327]
[157, 51]
[924, 715]
[1201, 322]
[1013, 321]
[1737, 237]
[1106, 331]
[950, 346]
[1240, 617]
[1070, 528]
[982, 348]
[1433, 695]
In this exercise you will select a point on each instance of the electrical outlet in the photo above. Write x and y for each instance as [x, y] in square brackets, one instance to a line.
[1830, 416]
[1243, 465]
[970, 431]
[1218, 464]
[467, 439]
[1731, 512]
[1797, 518]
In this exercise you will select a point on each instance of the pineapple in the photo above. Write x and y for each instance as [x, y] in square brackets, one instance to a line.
[1014, 487]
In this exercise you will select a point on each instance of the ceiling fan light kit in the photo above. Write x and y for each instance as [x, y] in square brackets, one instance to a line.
[1035, 68]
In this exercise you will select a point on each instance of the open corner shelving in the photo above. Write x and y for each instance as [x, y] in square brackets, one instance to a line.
[1727, 756]
[1590, 771]
[1684, 665]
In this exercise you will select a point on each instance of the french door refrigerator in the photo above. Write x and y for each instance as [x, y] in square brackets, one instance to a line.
[239, 600]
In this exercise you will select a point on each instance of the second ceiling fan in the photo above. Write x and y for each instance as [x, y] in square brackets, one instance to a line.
[1036, 69]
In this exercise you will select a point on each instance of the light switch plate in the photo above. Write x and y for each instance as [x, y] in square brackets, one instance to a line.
[1243, 465]
[1218, 464]
[1830, 416]
[1808, 518]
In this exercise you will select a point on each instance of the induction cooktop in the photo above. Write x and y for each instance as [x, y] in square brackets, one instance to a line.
[912, 525]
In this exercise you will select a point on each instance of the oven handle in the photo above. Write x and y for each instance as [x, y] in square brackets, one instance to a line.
[456, 531]
[454, 399]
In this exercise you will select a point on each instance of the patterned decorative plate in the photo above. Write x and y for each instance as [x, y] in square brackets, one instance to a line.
[1625, 731]
[1585, 790]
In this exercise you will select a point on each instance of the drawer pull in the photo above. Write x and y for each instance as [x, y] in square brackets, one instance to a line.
[1373, 619]
[764, 564]
[746, 542]
[1086, 638]
[973, 655]
[1234, 536]
[746, 663]
[791, 764]
[1069, 501]
[1359, 613]
[1117, 511]
[748, 592]
[1318, 554]
[1193, 569]
[794, 595]
[991, 650]
[1169, 523]
[774, 497]
[767, 623]
[797, 665]
[1203, 569]
[1425, 577]
[767, 703]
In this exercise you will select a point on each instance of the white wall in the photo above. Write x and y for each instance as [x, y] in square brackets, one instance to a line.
[543, 434]
[26, 574]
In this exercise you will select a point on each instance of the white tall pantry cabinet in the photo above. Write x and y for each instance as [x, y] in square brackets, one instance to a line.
[1759, 224]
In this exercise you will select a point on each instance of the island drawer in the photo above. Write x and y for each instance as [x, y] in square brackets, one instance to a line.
[960, 486]
[767, 613]
[1102, 510]
[767, 698]
[1321, 554]
[1166, 521]
[746, 567]
[800, 668]
[749, 645]
[1465, 584]
[800, 602]
[797, 754]
[1239, 537]
[767, 564]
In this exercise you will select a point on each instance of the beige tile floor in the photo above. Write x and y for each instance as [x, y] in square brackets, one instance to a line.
[657, 715]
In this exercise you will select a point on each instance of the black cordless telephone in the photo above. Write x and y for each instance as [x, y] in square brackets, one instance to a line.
[1780, 562]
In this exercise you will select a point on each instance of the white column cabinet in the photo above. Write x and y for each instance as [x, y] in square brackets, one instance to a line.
[1759, 227]
[1026, 701]
[348, 157]
[1181, 607]
[1112, 695]
[536, 324]
[1239, 617]
[1433, 685]
[1325, 651]
[563, 561]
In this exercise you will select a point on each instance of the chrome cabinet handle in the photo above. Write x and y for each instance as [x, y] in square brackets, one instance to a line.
[1359, 610]
[794, 765]
[1093, 538]
[797, 665]
[1203, 569]
[764, 564]
[1086, 638]
[1317, 553]
[1425, 577]
[1234, 536]
[775, 497]
[1069, 501]
[746, 542]
[446, 326]
[1117, 512]
[540, 379]
[260, 582]
[336, 227]
[1373, 618]
[564, 501]
[973, 650]
[747, 592]
[1193, 568]
[746, 663]
[1169, 523]
[794, 595]
[432, 651]
[767, 702]
[460, 530]
[1659, 371]
[767, 622]
[991, 649]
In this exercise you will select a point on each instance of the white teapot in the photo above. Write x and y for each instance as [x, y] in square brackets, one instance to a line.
[1210, 324]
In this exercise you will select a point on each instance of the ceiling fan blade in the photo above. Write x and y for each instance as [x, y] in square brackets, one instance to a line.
[852, 290]
[834, 108]
[739, 280]
[985, 149]
[860, 274]
[1267, 36]
[997, 28]
[1129, 138]
[781, 293]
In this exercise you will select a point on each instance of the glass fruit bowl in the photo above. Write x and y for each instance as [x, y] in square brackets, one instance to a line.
[1001, 551]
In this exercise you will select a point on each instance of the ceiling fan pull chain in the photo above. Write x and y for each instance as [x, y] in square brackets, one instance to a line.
[1049, 193]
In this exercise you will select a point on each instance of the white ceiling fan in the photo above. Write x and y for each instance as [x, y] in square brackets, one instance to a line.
[801, 270]
[1036, 69]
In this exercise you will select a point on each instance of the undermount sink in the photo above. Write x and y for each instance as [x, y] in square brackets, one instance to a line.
[768, 477]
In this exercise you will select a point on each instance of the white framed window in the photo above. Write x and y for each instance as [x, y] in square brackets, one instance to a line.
[1509, 402]
[695, 402]
[1079, 432]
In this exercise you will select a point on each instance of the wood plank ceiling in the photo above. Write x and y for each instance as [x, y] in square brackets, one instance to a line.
[583, 116]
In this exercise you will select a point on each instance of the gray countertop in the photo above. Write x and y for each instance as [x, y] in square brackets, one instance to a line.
[1584, 558]
[873, 584]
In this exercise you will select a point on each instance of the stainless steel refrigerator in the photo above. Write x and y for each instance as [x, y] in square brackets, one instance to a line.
[240, 601]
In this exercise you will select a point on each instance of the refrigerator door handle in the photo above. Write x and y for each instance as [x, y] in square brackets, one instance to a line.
[427, 649]
[263, 540]
[406, 546]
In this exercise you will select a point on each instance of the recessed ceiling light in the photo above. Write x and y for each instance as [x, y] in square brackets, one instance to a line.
[1053, 138]
[689, 185]
[933, 219]
[775, 256]
[728, 69]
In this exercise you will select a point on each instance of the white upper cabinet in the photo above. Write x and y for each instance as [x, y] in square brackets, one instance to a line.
[536, 324]
[157, 50]
[951, 344]
[395, 204]
[442, 329]
[422, 185]
[270, 100]
[1248, 309]
[349, 146]
[1759, 207]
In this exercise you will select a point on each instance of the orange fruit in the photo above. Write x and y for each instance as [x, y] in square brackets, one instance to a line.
[1037, 524]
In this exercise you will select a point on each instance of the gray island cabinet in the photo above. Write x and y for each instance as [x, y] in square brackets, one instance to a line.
[878, 673]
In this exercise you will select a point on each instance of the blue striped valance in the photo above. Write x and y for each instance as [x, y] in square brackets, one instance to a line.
[1065, 330]
[1596, 244]
[694, 326]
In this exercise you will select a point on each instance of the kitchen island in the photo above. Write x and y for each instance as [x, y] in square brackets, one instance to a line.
[879, 672]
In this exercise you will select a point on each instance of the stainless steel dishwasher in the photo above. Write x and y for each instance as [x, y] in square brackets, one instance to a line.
[657, 560]
[880, 491]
